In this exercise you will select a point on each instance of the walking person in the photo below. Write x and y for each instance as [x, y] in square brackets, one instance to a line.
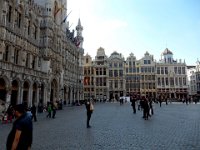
[33, 111]
[146, 109]
[160, 101]
[151, 107]
[49, 110]
[133, 100]
[90, 108]
[20, 137]
[54, 107]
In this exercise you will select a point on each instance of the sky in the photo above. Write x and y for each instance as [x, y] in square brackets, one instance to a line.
[137, 26]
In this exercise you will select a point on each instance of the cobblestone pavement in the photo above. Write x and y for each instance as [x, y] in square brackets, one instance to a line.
[115, 127]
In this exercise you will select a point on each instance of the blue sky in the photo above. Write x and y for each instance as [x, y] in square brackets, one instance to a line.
[138, 26]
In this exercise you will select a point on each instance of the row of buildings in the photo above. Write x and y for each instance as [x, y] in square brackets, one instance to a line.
[42, 60]
[114, 77]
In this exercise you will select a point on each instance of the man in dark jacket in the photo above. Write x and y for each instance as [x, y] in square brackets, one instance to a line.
[20, 137]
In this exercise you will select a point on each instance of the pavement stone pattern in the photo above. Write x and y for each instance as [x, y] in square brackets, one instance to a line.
[114, 127]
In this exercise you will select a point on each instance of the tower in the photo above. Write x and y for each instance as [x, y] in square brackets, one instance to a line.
[79, 37]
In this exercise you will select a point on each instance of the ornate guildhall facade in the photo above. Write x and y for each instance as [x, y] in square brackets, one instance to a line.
[40, 58]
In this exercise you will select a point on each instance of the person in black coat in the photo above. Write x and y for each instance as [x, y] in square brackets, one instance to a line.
[89, 108]
[133, 100]
[146, 109]
[33, 111]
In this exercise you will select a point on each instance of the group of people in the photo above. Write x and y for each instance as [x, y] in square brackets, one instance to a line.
[143, 104]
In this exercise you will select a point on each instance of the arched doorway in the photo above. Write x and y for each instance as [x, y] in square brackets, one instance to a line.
[2, 90]
[34, 94]
[25, 93]
[14, 93]
[54, 90]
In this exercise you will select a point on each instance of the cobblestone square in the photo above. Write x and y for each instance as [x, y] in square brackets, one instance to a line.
[115, 127]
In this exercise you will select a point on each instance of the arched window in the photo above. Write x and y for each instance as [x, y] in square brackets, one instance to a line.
[6, 54]
[9, 13]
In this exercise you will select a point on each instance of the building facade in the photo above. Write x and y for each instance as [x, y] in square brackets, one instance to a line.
[171, 77]
[198, 78]
[41, 60]
[117, 76]
[147, 76]
[132, 76]
[101, 75]
[191, 81]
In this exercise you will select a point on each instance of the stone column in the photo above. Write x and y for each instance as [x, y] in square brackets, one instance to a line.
[8, 94]
[30, 95]
[20, 96]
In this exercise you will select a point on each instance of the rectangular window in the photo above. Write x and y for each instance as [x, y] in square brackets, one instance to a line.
[121, 73]
[9, 13]
[180, 81]
[145, 69]
[104, 71]
[163, 81]
[145, 61]
[176, 81]
[179, 70]
[142, 69]
[100, 73]
[16, 56]
[158, 70]
[158, 81]
[115, 73]
[172, 81]
[162, 70]
[175, 70]
[6, 54]
[184, 81]
[110, 73]
[166, 82]
[183, 70]
[166, 70]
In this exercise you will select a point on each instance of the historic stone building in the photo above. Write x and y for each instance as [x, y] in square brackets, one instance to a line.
[40, 58]
[104, 78]
[96, 76]
[147, 76]
[198, 78]
[171, 77]
[191, 80]
[101, 75]
[132, 76]
[89, 78]
[117, 76]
